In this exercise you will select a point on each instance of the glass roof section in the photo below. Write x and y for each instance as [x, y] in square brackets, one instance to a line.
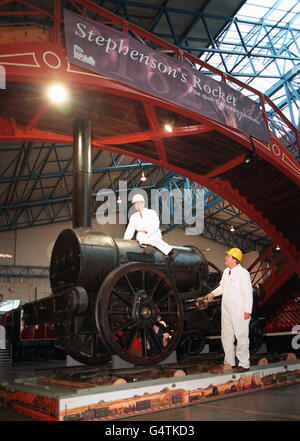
[261, 47]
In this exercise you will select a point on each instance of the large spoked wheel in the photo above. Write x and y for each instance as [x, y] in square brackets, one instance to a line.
[139, 313]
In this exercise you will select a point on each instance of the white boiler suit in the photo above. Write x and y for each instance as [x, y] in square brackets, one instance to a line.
[2, 337]
[237, 298]
[147, 220]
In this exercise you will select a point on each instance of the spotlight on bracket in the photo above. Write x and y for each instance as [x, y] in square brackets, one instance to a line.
[248, 157]
[251, 155]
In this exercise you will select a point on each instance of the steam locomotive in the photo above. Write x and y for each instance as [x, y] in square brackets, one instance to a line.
[110, 295]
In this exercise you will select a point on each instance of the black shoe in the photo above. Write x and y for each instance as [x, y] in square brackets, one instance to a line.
[149, 250]
[173, 253]
[241, 369]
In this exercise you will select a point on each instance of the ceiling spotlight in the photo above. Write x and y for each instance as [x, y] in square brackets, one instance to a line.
[143, 177]
[57, 93]
[169, 128]
[119, 200]
[251, 155]
[248, 157]
[232, 229]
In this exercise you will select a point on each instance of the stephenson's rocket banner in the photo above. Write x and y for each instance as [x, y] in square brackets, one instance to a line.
[118, 56]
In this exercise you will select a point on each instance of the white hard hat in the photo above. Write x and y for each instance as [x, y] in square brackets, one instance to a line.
[138, 197]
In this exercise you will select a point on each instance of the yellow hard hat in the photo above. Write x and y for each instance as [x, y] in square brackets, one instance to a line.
[235, 252]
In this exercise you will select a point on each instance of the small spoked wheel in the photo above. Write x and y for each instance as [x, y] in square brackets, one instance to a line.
[255, 336]
[85, 348]
[139, 313]
[192, 344]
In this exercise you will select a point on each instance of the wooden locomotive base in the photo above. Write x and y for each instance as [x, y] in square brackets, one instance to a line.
[101, 393]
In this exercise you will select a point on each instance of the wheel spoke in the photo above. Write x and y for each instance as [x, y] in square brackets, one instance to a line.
[130, 338]
[121, 297]
[155, 286]
[144, 280]
[156, 339]
[119, 312]
[120, 328]
[144, 342]
[130, 285]
[169, 313]
[164, 298]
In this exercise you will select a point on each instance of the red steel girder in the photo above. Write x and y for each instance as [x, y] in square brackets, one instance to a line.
[46, 62]
[152, 119]
[221, 187]
[154, 134]
[86, 5]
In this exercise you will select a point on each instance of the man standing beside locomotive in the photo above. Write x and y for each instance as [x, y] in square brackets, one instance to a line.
[146, 223]
[237, 301]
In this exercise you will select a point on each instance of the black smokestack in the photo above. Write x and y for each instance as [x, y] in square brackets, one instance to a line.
[82, 173]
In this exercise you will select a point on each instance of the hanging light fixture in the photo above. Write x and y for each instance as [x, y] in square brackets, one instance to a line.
[119, 200]
[248, 157]
[232, 229]
[251, 155]
[277, 247]
[143, 177]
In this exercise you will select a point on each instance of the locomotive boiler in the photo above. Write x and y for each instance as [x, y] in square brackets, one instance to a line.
[111, 296]
[108, 294]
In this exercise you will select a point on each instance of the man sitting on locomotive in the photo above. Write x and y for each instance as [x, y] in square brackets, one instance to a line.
[146, 223]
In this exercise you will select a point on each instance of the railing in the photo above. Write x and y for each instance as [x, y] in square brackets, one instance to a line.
[279, 125]
[267, 266]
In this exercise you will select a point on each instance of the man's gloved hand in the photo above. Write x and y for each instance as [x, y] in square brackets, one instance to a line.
[209, 296]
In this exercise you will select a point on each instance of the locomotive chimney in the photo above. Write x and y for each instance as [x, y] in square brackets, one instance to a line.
[82, 173]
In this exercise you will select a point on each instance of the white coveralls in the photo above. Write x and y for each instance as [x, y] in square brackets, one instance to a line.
[237, 298]
[147, 220]
[2, 337]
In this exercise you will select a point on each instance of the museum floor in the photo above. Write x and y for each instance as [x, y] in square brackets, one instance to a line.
[278, 404]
